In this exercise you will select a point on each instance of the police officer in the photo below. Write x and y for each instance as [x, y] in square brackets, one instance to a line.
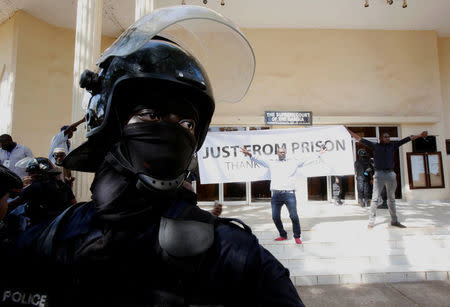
[46, 196]
[363, 171]
[9, 184]
[142, 241]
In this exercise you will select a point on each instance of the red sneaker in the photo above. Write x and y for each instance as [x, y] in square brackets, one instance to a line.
[280, 239]
[298, 241]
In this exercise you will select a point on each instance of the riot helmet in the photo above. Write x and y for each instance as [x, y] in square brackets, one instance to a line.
[157, 72]
[153, 66]
[8, 181]
[362, 153]
[38, 168]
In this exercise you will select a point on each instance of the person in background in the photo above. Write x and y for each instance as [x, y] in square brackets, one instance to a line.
[337, 191]
[62, 139]
[46, 196]
[59, 154]
[383, 154]
[11, 153]
[363, 170]
[382, 201]
[9, 182]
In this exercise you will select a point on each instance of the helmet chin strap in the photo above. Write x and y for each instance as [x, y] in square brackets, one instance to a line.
[145, 183]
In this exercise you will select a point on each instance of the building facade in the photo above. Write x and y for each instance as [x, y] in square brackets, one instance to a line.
[371, 80]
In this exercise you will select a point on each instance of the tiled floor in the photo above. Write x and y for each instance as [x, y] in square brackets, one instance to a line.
[339, 249]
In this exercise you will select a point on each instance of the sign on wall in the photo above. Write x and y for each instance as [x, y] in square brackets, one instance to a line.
[288, 118]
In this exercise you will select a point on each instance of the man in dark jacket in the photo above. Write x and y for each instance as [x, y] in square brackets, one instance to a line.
[337, 191]
[142, 241]
[384, 172]
[363, 170]
[46, 196]
[9, 183]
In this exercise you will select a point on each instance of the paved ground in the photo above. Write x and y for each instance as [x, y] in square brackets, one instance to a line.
[428, 293]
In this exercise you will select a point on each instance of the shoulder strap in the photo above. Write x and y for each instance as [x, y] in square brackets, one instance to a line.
[236, 222]
[44, 243]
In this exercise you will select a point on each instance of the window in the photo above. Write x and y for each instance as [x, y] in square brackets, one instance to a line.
[393, 131]
[447, 145]
[364, 131]
[317, 188]
[425, 170]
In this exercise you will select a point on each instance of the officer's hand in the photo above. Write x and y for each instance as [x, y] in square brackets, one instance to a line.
[217, 210]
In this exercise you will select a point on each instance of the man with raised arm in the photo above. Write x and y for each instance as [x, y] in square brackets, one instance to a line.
[384, 172]
[282, 185]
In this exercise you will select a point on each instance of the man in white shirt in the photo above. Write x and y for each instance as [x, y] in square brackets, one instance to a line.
[11, 153]
[61, 140]
[59, 154]
[282, 185]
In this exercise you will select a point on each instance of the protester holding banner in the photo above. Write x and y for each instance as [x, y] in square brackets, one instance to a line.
[282, 186]
[384, 172]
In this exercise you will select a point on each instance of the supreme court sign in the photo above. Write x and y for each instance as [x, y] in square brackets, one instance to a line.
[299, 118]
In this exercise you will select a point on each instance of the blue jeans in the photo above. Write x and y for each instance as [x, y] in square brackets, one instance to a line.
[278, 200]
[382, 179]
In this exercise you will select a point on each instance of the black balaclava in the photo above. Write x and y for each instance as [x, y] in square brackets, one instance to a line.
[160, 149]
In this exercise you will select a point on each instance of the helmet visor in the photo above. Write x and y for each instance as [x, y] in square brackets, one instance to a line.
[212, 39]
[23, 163]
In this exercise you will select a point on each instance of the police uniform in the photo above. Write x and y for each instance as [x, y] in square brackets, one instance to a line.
[142, 241]
[103, 254]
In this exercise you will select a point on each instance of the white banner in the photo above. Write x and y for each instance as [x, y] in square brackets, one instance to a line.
[220, 159]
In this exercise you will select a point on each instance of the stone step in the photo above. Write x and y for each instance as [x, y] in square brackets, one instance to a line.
[338, 248]
[311, 238]
[287, 252]
[399, 274]
[366, 263]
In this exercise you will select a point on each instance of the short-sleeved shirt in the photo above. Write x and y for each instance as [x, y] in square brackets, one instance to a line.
[18, 153]
[383, 153]
[58, 141]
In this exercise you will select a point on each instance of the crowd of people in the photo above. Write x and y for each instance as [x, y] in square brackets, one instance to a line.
[46, 186]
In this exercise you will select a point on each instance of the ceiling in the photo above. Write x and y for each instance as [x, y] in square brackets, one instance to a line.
[325, 14]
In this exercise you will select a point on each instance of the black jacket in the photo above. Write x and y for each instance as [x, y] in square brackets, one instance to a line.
[105, 254]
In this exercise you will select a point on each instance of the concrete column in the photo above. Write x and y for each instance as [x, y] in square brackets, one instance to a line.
[142, 8]
[87, 51]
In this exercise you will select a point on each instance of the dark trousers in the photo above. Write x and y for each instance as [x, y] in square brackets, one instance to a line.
[363, 185]
[278, 200]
